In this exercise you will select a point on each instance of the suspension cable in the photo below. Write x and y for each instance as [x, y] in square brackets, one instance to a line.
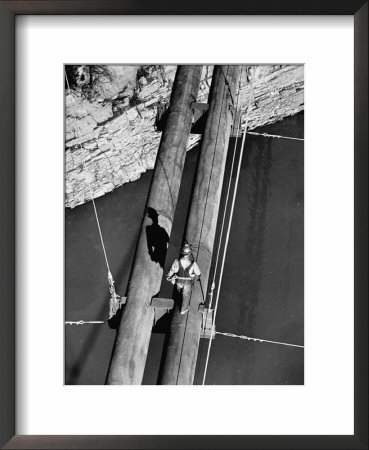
[84, 322]
[114, 300]
[228, 229]
[228, 192]
[248, 338]
[238, 122]
[89, 185]
[274, 136]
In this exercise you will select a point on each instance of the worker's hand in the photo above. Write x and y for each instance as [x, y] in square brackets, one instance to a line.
[172, 279]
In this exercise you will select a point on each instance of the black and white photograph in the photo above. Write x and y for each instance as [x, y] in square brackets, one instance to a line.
[184, 224]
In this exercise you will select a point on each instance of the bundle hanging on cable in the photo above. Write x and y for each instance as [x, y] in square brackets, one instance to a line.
[115, 299]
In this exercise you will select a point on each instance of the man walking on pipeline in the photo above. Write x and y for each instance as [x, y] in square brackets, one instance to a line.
[183, 273]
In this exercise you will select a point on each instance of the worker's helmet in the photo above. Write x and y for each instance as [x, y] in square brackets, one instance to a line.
[186, 249]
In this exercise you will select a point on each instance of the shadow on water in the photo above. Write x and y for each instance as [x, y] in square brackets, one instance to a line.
[259, 167]
[157, 239]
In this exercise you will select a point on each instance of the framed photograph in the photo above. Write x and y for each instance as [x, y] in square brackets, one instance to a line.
[185, 203]
[120, 145]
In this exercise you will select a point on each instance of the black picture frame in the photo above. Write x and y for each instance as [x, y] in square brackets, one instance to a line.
[8, 12]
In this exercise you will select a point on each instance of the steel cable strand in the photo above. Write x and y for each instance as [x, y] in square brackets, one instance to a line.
[227, 196]
[114, 296]
[228, 230]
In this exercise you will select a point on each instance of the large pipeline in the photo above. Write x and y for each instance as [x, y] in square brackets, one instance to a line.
[180, 357]
[133, 337]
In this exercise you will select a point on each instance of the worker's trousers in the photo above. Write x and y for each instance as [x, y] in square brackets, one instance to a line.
[185, 289]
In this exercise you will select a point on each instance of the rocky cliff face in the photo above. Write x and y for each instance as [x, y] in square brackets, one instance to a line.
[110, 136]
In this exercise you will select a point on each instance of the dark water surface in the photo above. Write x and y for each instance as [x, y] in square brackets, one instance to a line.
[261, 291]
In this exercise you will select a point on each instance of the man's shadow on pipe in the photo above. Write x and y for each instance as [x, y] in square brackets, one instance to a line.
[157, 244]
[157, 239]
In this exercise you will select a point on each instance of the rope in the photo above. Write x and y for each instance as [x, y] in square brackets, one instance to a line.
[228, 230]
[234, 151]
[274, 136]
[228, 190]
[95, 211]
[83, 322]
[114, 297]
[248, 338]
